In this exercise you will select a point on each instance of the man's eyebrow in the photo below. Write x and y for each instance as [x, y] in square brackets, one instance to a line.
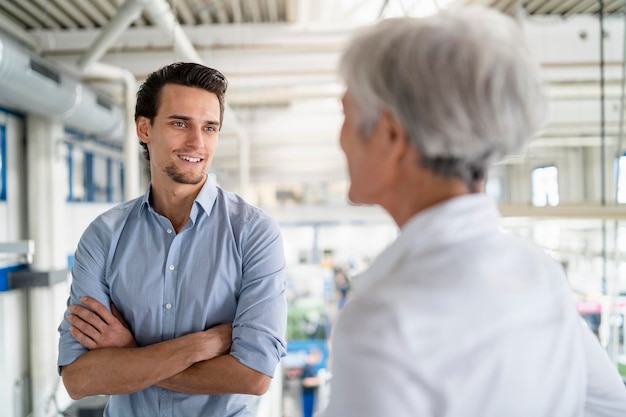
[181, 117]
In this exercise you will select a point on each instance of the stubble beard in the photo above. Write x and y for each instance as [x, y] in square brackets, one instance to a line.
[181, 178]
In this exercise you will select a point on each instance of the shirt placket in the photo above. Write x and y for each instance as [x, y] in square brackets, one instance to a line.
[169, 306]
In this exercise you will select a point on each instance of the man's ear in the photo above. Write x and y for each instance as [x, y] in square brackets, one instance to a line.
[143, 126]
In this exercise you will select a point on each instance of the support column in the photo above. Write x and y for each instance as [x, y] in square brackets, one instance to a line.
[47, 226]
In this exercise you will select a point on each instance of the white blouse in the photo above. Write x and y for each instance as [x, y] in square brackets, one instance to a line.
[457, 318]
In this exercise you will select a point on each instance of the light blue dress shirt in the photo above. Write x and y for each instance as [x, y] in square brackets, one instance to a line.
[224, 266]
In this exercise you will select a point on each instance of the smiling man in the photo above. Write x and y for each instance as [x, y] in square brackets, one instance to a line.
[177, 297]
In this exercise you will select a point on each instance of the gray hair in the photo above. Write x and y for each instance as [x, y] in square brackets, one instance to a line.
[462, 83]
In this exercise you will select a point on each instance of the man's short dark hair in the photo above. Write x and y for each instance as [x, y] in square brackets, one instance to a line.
[181, 73]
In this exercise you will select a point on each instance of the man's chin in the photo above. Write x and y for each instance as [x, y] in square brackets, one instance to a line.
[186, 179]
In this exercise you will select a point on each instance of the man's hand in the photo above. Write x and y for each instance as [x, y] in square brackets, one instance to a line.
[219, 339]
[115, 365]
[95, 327]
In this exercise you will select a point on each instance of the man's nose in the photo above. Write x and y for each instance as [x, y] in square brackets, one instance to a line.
[195, 137]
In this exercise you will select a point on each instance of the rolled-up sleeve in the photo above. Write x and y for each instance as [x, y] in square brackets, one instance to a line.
[87, 279]
[261, 319]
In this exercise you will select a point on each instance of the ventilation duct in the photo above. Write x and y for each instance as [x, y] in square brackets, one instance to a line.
[30, 84]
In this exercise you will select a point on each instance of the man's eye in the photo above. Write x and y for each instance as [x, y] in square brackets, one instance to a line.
[178, 124]
[210, 129]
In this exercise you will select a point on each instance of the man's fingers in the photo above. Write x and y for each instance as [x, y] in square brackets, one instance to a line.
[87, 316]
[82, 338]
[84, 327]
[103, 313]
[118, 315]
[95, 327]
[115, 311]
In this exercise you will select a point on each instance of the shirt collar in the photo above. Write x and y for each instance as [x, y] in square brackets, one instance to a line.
[207, 195]
[454, 220]
[145, 201]
[205, 199]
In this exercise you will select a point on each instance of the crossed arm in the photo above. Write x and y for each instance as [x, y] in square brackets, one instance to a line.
[197, 363]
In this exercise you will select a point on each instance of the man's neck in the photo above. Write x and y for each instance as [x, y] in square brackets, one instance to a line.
[174, 201]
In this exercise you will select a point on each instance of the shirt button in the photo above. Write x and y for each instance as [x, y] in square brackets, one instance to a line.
[171, 267]
[168, 306]
[169, 230]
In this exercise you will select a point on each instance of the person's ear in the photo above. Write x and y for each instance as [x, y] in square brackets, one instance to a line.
[396, 138]
[143, 126]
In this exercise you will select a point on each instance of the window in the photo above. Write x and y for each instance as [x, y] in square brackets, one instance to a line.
[93, 176]
[75, 162]
[545, 186]
[102, 178]
[621, 180]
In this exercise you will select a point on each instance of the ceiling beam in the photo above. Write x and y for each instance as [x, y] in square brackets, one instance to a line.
[19, 14]
[92, 12]
[36, 12]
[186, 15]
[18, 32]
[75, 13]
[52, 10]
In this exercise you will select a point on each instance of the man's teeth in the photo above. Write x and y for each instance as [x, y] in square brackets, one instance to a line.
[190, 159]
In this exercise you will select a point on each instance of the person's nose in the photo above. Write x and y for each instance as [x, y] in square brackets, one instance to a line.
[195, 138]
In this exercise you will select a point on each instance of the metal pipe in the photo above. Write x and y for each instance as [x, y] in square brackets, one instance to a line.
[620, 136]
[131, 144]
[125, 16]
[128, 13]
[602, 109]
[161, 14]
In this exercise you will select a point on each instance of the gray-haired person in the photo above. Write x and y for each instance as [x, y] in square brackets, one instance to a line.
[455, 318]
